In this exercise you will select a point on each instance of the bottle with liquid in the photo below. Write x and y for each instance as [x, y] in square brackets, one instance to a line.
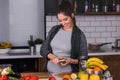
[31, 45]
[117, 7]
[82, 63]
[96, 8]
[93, 7]
[113, 6]
[86, 6]
[105, 6]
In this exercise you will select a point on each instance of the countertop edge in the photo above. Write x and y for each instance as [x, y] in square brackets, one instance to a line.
[6, 56]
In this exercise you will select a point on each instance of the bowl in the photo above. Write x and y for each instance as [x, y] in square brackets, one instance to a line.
[4, 51]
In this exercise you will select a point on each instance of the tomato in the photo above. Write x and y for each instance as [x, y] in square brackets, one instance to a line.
[1, 78]
[52, 78]
[5, 77]
[34, 77]
[27, 77]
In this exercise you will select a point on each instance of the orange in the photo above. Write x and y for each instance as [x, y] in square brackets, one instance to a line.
[94, 77]
[97, 69]
[66, 76]
[84, 76]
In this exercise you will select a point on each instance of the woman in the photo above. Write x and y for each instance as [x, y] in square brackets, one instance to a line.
[65, 41]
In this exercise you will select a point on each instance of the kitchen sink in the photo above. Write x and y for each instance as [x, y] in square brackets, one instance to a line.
[96, 51]
[19, 52]
[105, 50]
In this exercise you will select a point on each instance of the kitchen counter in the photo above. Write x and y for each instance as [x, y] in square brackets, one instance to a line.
[104, 52]
[41, 75]
[37, 55]
[18, 54]
[46, 75]
[7, 56]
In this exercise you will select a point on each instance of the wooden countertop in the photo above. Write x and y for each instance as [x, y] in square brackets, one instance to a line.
[42, 75]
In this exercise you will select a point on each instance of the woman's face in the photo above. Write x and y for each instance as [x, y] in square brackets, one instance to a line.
[65, 21]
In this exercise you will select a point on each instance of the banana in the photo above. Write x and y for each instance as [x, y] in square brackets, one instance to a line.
[94, 59]
[90, 66]
[102, 66]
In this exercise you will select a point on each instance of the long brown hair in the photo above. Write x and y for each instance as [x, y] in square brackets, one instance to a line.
[67, 9]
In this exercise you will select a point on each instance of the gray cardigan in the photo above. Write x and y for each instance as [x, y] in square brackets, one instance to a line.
[78, 46]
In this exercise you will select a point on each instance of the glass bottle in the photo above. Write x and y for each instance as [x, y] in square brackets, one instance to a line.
[113, 6]
[93, 7]
[31, 45]
[82, 63]
[96, 8]
[86, 6]
[105, 6]
[117, 7]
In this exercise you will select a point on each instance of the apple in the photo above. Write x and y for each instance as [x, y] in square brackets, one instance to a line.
[52, 78]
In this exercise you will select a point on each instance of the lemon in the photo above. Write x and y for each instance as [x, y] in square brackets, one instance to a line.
[73, 76]
[94, 77]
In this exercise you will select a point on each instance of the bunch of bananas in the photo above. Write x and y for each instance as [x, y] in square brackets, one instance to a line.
[96, 62]
[4, 45]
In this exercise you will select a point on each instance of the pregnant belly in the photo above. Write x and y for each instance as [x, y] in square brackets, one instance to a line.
[57, 68]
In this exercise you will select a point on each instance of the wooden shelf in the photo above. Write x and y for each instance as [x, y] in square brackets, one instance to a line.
[102, 13]
[94, 13]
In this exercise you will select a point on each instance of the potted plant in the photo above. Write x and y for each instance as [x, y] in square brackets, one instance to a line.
[38, 42]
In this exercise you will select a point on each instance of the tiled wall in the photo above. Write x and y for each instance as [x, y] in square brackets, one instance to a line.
[97, 28]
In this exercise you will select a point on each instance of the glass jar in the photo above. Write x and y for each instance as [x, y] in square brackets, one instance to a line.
[117, 7]
[105, 8]
[82, 63]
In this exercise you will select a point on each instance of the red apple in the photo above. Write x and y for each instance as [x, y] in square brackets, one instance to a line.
[52, 78]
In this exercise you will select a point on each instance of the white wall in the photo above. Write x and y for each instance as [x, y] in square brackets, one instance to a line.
[25, 18]
[97, 28]
[4, 20]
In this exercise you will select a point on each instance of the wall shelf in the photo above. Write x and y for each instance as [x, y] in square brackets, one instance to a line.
[50, 8]
[102, 13]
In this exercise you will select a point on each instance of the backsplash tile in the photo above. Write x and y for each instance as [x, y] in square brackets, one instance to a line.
[98, 28]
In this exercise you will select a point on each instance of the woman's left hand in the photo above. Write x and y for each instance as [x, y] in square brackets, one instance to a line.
[67, 61]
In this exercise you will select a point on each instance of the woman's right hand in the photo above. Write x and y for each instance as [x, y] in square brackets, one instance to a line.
[56, 60]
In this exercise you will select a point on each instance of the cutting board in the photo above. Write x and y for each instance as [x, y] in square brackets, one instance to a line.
[42, 75]
[62, 74]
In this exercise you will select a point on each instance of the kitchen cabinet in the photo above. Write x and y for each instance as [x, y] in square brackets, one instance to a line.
[87, 7]
[21, 65]
[113, 61]
[41, 64]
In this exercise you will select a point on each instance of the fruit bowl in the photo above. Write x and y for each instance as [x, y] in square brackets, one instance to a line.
[4, 51]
